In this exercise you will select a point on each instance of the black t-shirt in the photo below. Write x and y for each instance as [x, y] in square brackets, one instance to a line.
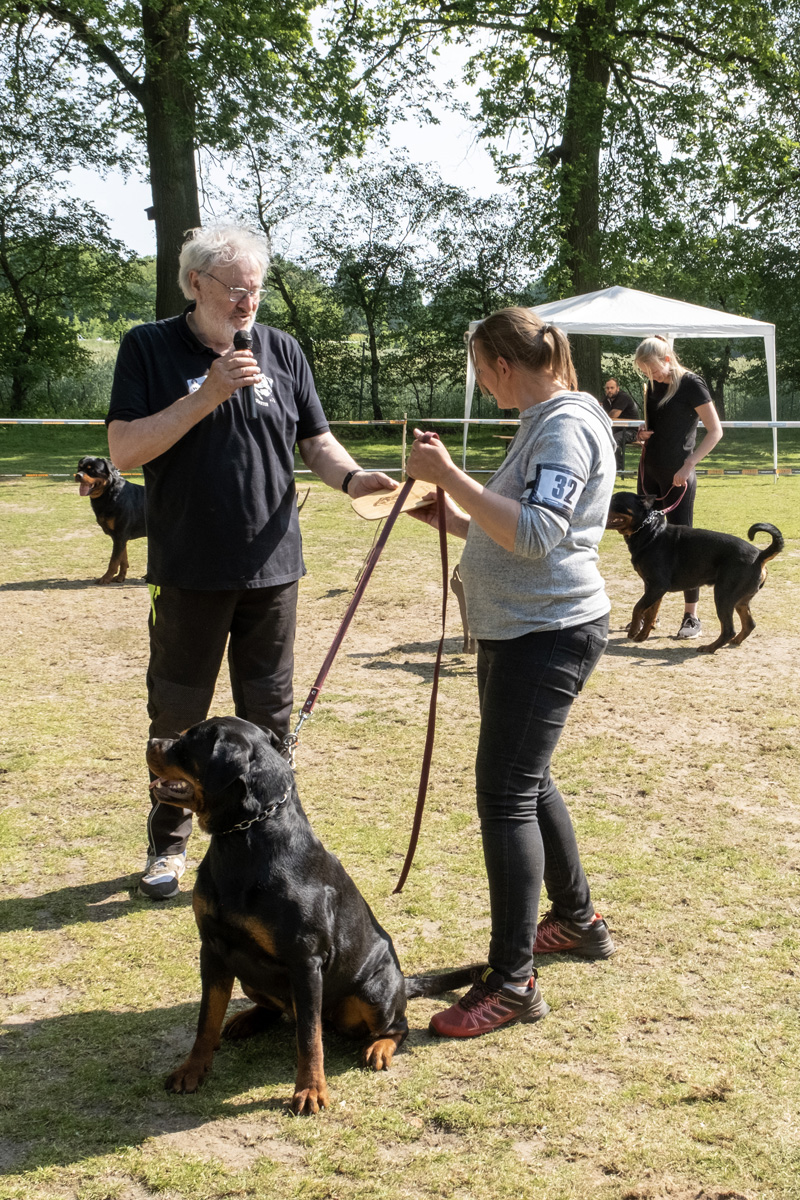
[625, 403]
[674, 424]
[221, 509]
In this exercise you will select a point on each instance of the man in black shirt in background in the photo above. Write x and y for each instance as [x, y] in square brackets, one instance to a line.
[224, 545]
[620, 406]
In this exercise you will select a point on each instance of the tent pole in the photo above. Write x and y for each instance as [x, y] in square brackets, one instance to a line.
[470, 391]
[772, 380]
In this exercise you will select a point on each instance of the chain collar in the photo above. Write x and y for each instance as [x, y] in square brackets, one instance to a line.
[261, 817]
[653, 519]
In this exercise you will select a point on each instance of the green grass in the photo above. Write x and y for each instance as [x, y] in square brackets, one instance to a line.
[55, 449]
[667, 1073]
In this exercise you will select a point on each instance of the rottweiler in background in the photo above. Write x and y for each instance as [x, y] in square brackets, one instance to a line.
[672, 558]
[118, 507]
[277, 911]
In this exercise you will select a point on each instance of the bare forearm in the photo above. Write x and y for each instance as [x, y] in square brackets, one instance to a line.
[458, 526]
[706, 446]
[327, 458]
[133, 443]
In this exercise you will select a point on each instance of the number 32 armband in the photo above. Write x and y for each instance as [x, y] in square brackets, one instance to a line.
[554, 487]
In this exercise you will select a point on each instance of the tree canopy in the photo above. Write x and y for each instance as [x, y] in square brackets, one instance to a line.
[169, 78]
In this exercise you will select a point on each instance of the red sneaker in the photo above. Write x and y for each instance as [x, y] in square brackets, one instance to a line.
[557, 935]
[487, 1005]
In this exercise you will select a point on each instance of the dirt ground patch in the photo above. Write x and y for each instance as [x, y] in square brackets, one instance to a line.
[668, 1073]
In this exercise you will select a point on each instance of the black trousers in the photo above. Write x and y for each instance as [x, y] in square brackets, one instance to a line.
[658, 482]
[188, 634]
[526, 687]
[622, 438]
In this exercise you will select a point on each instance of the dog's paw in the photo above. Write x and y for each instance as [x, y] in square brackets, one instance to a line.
[311, 1099]
[379, 1054]
[188, 1077]
[640, 636]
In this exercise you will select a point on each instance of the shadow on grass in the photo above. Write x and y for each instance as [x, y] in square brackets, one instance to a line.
[104, 900]
[92, 1083]
[667, 648]
[65, 585]
[453, 656]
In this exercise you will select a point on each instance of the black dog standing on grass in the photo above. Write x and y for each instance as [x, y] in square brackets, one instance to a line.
[118, 506]
[277, 911]
[672, 558]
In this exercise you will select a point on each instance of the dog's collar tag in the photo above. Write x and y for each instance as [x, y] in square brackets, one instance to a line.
[261, 817]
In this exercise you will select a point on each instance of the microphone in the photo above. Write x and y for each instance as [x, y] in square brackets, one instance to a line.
[243, 340]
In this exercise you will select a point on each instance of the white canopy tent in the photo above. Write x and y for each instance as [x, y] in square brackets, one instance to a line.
[625, 312]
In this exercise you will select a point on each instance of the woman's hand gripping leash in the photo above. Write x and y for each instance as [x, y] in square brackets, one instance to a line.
[429, 462]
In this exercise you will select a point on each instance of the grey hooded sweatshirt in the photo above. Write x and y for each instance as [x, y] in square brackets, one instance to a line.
[561, 467]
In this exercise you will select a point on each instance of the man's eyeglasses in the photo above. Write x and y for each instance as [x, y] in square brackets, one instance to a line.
[236, 295]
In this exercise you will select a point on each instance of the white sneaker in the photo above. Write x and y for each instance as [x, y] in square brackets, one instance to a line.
[161, 875]
[690, 627]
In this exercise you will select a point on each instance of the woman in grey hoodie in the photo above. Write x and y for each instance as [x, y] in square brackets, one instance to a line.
[537, 605]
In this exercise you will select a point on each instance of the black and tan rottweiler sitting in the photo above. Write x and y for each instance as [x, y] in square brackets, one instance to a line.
[674, 558]
[278, 912]
[118, 506]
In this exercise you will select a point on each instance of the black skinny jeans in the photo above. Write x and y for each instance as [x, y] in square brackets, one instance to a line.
[526, 687]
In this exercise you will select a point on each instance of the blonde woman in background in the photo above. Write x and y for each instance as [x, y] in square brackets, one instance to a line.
[674, 401]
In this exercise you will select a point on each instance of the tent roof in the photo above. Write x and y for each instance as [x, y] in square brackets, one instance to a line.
[626, 312]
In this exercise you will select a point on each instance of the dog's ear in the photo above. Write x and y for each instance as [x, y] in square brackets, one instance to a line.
[224, 776]
[648, 503]
[274, 740]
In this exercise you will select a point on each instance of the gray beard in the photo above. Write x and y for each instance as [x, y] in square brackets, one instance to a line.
[222, 331]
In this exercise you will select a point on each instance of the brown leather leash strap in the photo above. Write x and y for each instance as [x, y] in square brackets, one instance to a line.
[290, 741]
[428, 752]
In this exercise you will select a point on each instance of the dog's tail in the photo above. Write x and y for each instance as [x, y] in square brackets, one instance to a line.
[775, 546]
[436, 985]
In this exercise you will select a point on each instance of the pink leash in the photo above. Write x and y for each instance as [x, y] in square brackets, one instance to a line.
[659, 499]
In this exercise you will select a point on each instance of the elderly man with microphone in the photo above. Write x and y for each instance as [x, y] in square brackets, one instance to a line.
[212, 406]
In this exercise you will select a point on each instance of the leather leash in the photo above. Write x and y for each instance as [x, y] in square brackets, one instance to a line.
[290, 741]
[659, 499]
[428, 751]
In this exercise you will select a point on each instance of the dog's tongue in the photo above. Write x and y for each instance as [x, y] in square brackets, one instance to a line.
[85, 488]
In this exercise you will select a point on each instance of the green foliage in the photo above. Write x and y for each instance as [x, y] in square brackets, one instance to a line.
[624, 125]
[59, 269]
[170, 79]
[394, 266]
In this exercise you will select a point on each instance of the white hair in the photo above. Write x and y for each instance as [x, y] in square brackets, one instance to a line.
[209, 246]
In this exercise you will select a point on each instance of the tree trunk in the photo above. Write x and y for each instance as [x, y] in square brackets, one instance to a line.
[579, 198]
[716, 375]
[374, 370]
[169, 110]
[19, 393]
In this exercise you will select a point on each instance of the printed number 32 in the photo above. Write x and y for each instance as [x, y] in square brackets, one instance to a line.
[561, 486]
